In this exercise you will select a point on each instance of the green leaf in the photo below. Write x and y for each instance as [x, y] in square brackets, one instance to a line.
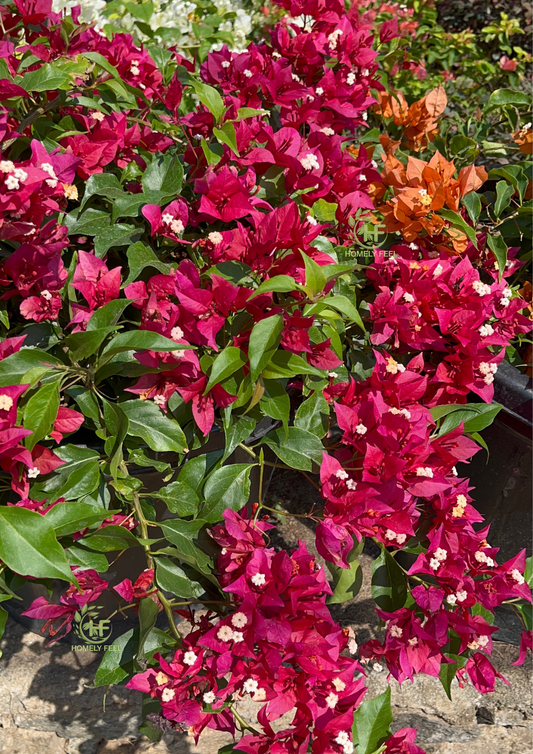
[226, 135]
[91, 222]
[227, 487]
[28, 545]
[286, 364]
[371, 723]
[109, 539]
[148, 611]
[99, 59]
[179, 498]
[226, 363]
[504, 192]
[275, 401]
[236, 433]
[472, 202]
[141, 340]
[171, 578]
[324, 211]
[3, 621]
[502, 97]
[457, 221]
[141, 256]
[277, 284]
[14, 367]
[528, 573]
[40, 413]
[117, 426]
[315, 276]
[299, 449]
[164, 173]
[160, 432]
[347, 581]
[448, 671]
[389, 589]
[79, 476]
[209, 96]
[117, 663]
[68, 518]
[101, 184]
[476, 416]
[45, 78]
[347, 307]
[264, 340]
[181, 534]
[313, 414]
[249, 112]
[499, 248]
[108, 315]
[84, 344]
[79, 555]
[117, 235]
[212, 152]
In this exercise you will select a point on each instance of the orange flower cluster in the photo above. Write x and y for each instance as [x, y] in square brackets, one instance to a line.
[419, 120]
[524, 139]
[423, 188]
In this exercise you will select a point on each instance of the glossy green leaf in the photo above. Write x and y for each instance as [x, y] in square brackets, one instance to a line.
[297, 448]
[179, 498]
[28, 545]
[504, 192]
[313, 414]
[14, 367]
[160, 432]
[171, 578]
[226, 135]
[140, 340]
[101, 184]
[40, 413]
[472, 202]
[499, 248]
[140, 257]
[227, 487]
[389, 589]
[164, 173]
[209, 96]
[71, 517]
[225, 364]
[371, 723]
[237, 432]
[347, 581]
[264, 340]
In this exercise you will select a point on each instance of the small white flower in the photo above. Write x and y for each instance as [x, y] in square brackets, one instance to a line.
[11, 183]
[159, 400]
[327, 130]
[423, 192]
[377, 667]
[97, 115]
[342, 738]
[239, 620]
[451, 599]
[486, 331]
[319, 91]
[517, 576]
[167, 218]
[209, 697]
[177, 227]
[161, 678]
[339, 684]
[176, 333]
[295, 77]
[361, 429]
[134, 69]
[364, 116]
[434, 564]
[347, 748]
[259, 696]
[461, 500]
[332, 375]
[454, 471]
[438, 270]
[190, 657]
[259, 579]
[488, 379]
[483, 641]
[46, 295]
[248, 73]
[215, 237]
[309, 162]
[168, 695]
[425, 471]
[490, 563]
[408, 298]
[311, 220]
[351, 484]
[350, 79]
[333, 38]
[250, 686]
[507, 293]
[6, 166]
[396, 631]
[365, 72]
[480, 556]
[481, 289]
[225, 64]
[400, 538]
[352, 646]
[341, 474]
[70, 191]
[484, 367]
[20, 174]
[440, 554]
[363, 178]
[374, 164]
[331, 700]
[461, 595]
[238, 636]
[225, 633]
[504, 302]
[413, 642]
[413, 246]
[33, 473]
[6, 402]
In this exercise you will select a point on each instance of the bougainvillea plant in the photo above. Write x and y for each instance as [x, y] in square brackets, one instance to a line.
[183, 276]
